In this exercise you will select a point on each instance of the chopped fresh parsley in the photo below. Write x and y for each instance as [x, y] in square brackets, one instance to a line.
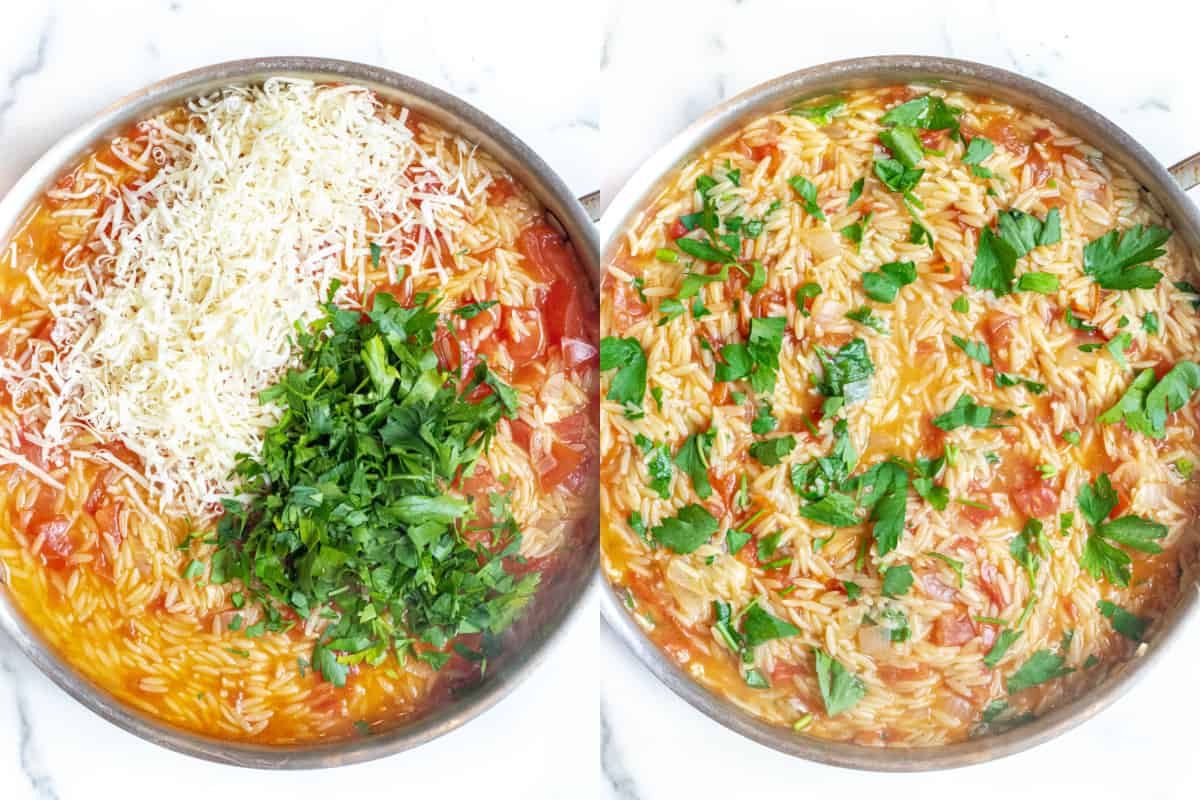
[846, 375]
[856, 191]
[897, 580]
[864, 316]
[1042, 666]
[1004, 379]
[757, 359]
[1016, 234]
[758, 626]
[691, 527]
[758, 278]
[692, 460]
[897, 177]
[840, 689]
[926, 112]
[975, 350]
[978, 150]
[808, 195]
[1040, 282]
[884, 490]
[628, 386]
[1004, 640]
[960, 304]
[1128, 625]
[472, 310]
[764, 422]
[904, 144]
[1150, 323]
[966, 412]
[363, 529]
[1118, 260]
[821, 113]
[660, 469]
[1146, 403]
[883, 285]
[770, 452]
[1028, 548]
[1101, 556]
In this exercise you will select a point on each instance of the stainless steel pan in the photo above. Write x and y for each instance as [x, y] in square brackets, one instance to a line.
[526, 644]
[1166, 185]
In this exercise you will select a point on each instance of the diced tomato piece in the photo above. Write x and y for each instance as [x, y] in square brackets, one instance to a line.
[525, 335]
[627, 308]
[676, 230]
[999, 330]
[762, 151]
[107, 519]
[978, 516]
[565, 466]
[1001, 131]
[97, 495]
[953, 629]
[990, 581]
[57, 546]
[550, 253]
[577, 352]
[725, 485]
[1035, 500]
[480, 327]
[521, 433]
[500, 190]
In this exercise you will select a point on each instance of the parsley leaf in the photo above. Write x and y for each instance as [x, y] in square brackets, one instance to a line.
[840, 689]
[1040, 282]
[1100, 557]
[978, 150]
[692, 460]
[856, 191]
[966, 412]
[1117, 260]
[884, 490]
[846, 374]
[1146, 403]
[864, 316]
[884, 285]
[771, 452]
[975, 350]
[897, 177]
[1128, 625]
[904, 144]
[821, 113]
[627, 358]
[758, 626]
[691, 527]
[808, 193]
[897, 580]
[927, 112]
[1004, 640]
[1042, 666]
[834, 509]
[658, 464]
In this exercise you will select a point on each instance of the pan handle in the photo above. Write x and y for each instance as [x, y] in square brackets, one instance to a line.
[591, 204]
[1187, 172]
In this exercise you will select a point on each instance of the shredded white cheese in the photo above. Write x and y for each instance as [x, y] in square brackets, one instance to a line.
[187, 296]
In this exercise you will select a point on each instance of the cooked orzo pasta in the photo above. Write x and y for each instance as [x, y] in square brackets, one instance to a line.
[339, 556]
[897, 445]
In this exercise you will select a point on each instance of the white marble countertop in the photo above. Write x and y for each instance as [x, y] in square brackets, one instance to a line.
[61, 62]
[664, 65]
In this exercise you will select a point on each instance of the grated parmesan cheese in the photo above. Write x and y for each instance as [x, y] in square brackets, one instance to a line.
[183, 305]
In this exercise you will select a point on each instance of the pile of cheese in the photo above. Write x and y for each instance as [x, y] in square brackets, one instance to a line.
[198, 272]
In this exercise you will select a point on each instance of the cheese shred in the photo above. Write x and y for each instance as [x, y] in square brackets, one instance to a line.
[198, 271]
